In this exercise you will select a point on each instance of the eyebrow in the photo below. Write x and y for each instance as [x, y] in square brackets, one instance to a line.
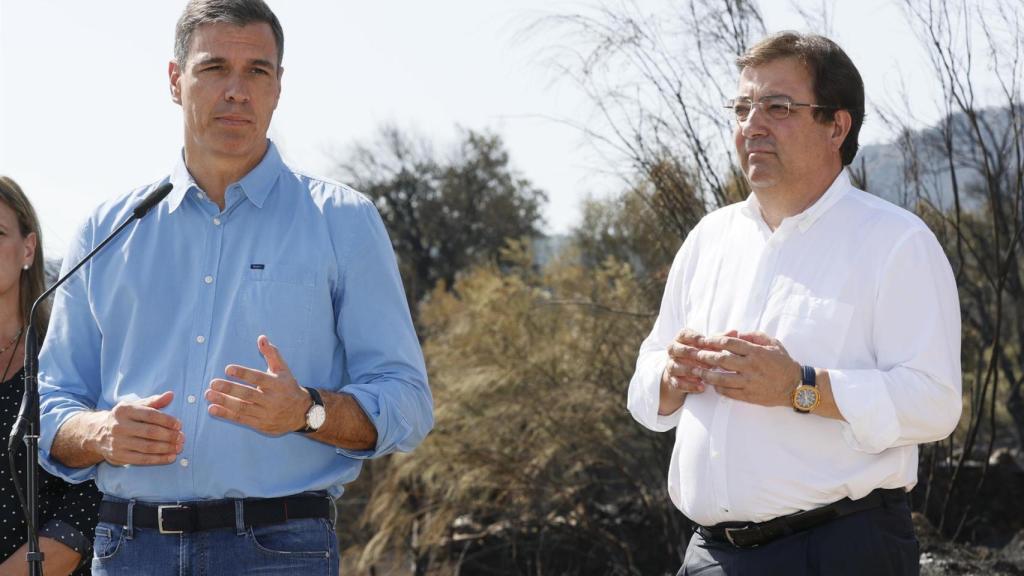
[745, 97]
[221, 60]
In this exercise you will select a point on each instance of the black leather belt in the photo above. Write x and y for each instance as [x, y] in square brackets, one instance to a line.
[751, 535]
[210, 515]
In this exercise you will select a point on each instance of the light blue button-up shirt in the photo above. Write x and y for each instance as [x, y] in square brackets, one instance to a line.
[187, 290]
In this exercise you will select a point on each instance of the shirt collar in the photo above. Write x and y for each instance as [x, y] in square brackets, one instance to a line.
[256, 185]
[752, 208]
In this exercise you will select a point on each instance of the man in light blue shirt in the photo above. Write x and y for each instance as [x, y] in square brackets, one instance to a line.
[225, 366]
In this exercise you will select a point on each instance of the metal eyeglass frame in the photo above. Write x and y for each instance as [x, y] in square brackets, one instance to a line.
[776, 107]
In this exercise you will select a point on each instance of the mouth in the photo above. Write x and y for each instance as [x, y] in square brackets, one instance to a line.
[233, 120]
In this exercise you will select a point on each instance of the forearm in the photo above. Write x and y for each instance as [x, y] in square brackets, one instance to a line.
[58, 559]
[827, 407]
[74, 444]
[347, 426]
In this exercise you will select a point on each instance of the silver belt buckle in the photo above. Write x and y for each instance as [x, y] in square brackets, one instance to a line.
[160, 518]
[728, 536]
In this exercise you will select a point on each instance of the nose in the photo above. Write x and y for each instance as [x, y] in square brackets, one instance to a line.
[237, 90]
[755, 125]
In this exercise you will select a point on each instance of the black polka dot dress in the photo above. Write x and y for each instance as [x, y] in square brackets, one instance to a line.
[67, 512]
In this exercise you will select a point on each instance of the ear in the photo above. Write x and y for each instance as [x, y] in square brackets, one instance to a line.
[174, 75]
[31, 242]
[841, 123]
[280, 74]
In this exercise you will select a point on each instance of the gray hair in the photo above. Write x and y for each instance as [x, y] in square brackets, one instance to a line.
[237, 12]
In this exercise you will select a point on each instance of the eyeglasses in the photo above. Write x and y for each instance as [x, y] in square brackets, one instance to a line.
[777, 107]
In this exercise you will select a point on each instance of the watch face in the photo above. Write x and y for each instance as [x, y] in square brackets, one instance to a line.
[316, 416]
[806, 397]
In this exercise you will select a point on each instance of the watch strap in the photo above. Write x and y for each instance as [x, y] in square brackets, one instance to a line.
[318, 400]
[807, 376]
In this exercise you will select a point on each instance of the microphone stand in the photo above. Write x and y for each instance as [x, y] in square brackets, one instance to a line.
[27, 425]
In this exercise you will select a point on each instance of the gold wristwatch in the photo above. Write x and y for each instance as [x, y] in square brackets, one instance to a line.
[805, 396]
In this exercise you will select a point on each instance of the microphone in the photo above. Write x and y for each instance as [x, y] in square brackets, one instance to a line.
[152, 199]
[27, 424]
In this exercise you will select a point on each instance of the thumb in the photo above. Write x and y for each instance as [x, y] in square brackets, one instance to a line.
[159, 401]
[275, 362]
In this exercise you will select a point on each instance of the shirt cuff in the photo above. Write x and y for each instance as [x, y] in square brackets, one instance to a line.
[69, 536]
[49, 424]
[863, 399]
[645, 395]
[388, 432]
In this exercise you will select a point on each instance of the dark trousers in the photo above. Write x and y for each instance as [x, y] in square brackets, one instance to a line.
[876, 542]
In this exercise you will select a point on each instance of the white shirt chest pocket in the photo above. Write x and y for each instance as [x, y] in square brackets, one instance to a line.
[813, 329]
[276, 301]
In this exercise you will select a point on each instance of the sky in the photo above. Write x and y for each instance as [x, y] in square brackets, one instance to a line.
[85, 110]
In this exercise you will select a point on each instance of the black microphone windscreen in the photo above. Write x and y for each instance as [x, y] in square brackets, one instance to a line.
[152, 199]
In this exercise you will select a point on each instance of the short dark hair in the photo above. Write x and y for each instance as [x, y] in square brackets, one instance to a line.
[237, 12]
[836, 80]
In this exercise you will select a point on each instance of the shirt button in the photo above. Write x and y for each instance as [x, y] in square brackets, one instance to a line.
[191, 399]
[200, 339]
[208, 279]
[184, 462]
[216, 221]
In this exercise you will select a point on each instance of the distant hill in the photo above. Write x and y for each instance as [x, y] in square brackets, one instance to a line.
[887, 171]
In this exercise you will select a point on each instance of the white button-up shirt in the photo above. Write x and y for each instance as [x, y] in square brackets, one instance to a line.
[854, 285]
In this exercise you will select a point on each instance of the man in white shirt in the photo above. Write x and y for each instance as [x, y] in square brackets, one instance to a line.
[808, 341]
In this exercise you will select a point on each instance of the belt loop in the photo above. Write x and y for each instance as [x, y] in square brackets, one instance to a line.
[239, 517]
[129, 529]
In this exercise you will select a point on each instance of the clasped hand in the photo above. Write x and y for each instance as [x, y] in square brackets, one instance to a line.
[748, 366]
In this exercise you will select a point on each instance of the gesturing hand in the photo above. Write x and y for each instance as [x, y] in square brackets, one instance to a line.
[137, 432]
[271, 402]
[759, 369]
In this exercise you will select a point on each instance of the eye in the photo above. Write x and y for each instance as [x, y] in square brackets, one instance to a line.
[260, 71]
[778, 109]
[742, 109]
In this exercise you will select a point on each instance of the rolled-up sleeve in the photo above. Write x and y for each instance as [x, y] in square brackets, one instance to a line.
[644, 397]
[69, 371]
[386, 371]
[914, 394]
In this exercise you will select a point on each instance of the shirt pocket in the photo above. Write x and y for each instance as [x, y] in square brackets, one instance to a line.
[276, 301]
[814, 329]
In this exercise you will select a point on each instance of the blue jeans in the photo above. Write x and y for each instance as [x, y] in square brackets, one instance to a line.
[307, 546]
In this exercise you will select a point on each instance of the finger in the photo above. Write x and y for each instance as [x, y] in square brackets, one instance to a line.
[143, 446]
[736, 346]
[684, 369]
[159, 401]
[141, 459]
[137, 413]
[255, 378]
[719, 379]
[240, 391]
[689, 337]
[724, 360]
[145, 431]
[275, 362]
[689, 385]
[688, 354]
[759, 338]
[221, 411]
[230, 403]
